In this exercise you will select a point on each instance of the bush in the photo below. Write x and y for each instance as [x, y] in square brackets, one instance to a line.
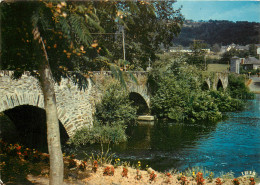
[115, 106]
[237, 87]
[177, 94]
[99, 134]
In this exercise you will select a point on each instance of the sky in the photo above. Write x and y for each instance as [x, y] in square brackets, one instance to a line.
[220, 10]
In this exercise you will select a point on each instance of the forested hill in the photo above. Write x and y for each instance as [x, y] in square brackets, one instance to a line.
[221, 32]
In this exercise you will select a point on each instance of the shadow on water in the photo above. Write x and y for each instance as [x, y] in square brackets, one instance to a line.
[27, 125]
[160, 144]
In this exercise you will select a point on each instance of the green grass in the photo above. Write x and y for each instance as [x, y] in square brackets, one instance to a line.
[218, 67]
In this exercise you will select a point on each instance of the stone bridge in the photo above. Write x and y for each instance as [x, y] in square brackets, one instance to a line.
[217, 80]
[75, 108]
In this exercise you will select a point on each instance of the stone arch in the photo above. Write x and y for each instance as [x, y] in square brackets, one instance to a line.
[219, 85]
[140, 102]
[205, 85]
[10, 101]
[30, 123]
[142, 90]
[220, 80]
[74, 107]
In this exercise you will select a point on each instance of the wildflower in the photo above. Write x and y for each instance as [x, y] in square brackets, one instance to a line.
[183, 180]
[95, 166]
[235, 182]
[124, 173]
[252, 181]
[152, 176]
[218, 181]
[199, 178]
[138, 175]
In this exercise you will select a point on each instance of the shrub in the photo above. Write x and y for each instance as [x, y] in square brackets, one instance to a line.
[237, 87]
[115, 106]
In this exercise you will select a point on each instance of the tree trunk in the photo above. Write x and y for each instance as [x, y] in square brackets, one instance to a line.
[53, 132]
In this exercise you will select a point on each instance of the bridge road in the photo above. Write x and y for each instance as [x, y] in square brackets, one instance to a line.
[254, 86]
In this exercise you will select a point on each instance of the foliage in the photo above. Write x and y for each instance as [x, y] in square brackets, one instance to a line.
[115, 106]
[226, 57]
[237, 87]
[225, 102]
[228, 175]
[197, 57]
[177, 93]
[146, 25]
[99, 134]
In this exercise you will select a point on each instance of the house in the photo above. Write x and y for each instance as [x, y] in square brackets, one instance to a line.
[251, 63]
[235, 64]
[224, 49]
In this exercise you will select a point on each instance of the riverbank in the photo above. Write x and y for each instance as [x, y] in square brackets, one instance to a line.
[145, 178]
[28, 167]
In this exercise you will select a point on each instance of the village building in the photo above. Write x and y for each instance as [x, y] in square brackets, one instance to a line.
[251, 63]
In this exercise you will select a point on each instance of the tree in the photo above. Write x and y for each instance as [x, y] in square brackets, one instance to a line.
[216, 48]
[39, 36]
[147, 26]
[197, 57]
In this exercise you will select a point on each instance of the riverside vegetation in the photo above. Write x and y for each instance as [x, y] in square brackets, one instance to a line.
[178, 94]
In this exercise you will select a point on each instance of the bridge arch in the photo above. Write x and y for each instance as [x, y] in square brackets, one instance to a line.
[140, 102]
[30, 124]
[74, 107]
[219, 85]
[10, 101]
[205, 85]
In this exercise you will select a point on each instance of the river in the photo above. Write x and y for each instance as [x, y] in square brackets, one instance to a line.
[230, 145]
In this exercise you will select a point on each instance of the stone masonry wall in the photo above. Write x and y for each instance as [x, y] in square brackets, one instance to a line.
[74, 107]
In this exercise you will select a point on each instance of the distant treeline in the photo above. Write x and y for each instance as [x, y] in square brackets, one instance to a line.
[221, 32]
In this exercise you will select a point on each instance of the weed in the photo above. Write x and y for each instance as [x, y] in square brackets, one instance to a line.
[138, 175]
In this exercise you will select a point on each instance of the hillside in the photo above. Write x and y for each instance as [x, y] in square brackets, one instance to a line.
[221, 32]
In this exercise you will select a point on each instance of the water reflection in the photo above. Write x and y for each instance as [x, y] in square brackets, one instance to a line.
[160, 144]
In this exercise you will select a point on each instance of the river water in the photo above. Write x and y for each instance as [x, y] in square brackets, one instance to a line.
[230, 145]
